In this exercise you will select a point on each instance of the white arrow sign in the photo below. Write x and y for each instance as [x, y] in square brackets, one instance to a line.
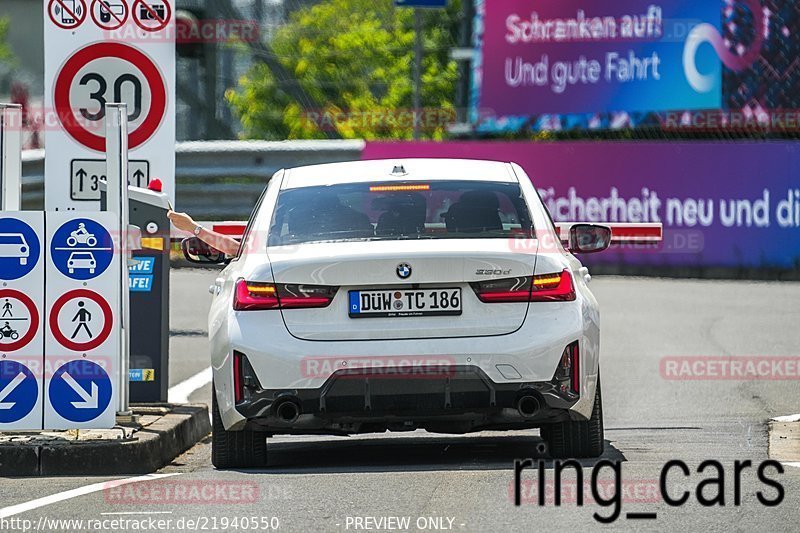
[8, 389]
[89, 400]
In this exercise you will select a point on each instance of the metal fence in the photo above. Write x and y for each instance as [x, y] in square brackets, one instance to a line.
[216, 180]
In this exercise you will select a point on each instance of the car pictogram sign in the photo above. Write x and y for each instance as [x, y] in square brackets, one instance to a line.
[19, 249]
[81, 249]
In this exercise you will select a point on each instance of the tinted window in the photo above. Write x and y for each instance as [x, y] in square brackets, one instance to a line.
[396, 210]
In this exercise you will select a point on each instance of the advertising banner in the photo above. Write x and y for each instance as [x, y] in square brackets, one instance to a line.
[722, 204]
[574, 56]
[706, 65]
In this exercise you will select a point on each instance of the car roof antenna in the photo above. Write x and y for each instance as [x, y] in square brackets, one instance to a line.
[399, 170]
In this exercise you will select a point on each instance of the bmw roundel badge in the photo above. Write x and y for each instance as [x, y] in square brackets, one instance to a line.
[403, 271]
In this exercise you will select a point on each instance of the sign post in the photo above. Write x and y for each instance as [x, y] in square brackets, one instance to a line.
[117, 203]
[98, 52]
[10, 157]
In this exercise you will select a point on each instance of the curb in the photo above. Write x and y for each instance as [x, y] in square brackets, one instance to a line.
[153, 447]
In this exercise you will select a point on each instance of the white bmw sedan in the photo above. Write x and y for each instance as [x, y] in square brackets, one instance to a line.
[400, 295]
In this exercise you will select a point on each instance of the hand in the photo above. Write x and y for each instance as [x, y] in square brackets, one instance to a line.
[182, 221]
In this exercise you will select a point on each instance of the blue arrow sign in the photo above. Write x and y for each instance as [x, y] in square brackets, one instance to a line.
[81, 249]
[19, 248]
[18, 391]
[80, 391]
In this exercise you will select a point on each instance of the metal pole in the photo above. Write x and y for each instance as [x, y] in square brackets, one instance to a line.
[10, 157]
[417, 70]
[117, 202]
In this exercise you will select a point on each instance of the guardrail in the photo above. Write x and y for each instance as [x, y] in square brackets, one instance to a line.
[216, 180]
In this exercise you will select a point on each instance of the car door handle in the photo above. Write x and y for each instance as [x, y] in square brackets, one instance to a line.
[585, 273]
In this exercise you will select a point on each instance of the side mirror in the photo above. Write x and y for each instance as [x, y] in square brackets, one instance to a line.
[196, 251]
[589, 238]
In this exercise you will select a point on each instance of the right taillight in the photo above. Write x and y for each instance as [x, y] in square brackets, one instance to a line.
[556, 287]
[259, 296]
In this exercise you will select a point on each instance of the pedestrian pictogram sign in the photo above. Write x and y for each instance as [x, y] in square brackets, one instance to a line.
[80, 391]
[81, 320]
[123, 53]
[19, 320]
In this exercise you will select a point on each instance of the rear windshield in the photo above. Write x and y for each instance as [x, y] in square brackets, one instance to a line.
[399, 211]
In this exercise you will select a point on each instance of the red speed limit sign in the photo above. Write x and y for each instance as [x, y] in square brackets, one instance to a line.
[102, 73]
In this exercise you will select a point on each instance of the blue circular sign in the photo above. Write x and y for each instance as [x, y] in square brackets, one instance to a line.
[82, 249]
[19, 391]
[19, 248]
[80, 391]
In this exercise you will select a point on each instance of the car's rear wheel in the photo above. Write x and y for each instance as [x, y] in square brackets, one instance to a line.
[577, 439]
[235, 449]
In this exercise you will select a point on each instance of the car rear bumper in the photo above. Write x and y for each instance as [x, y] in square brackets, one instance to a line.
[526, 357]
[446, 399]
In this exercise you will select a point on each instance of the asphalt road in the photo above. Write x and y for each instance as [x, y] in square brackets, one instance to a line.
[465, 483]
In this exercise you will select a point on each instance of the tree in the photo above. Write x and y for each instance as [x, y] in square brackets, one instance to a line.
[355, 57]
[6, 55]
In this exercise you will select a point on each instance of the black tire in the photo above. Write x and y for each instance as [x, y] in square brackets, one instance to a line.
[577, 440]
[235, 449]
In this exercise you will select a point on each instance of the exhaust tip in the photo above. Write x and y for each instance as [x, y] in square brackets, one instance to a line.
[528, 406]
[288, 411]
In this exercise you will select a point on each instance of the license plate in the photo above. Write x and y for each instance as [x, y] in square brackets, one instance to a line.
[405, 303]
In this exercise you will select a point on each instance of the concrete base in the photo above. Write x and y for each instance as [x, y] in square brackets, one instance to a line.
[160, 438]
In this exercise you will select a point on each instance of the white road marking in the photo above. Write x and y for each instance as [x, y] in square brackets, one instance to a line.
[796, 465]
[180, 393]
[12, 510]
[787, 418]
[135, 512]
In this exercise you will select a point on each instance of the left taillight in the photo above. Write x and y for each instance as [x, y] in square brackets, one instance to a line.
[259, 296]
[555, 287]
